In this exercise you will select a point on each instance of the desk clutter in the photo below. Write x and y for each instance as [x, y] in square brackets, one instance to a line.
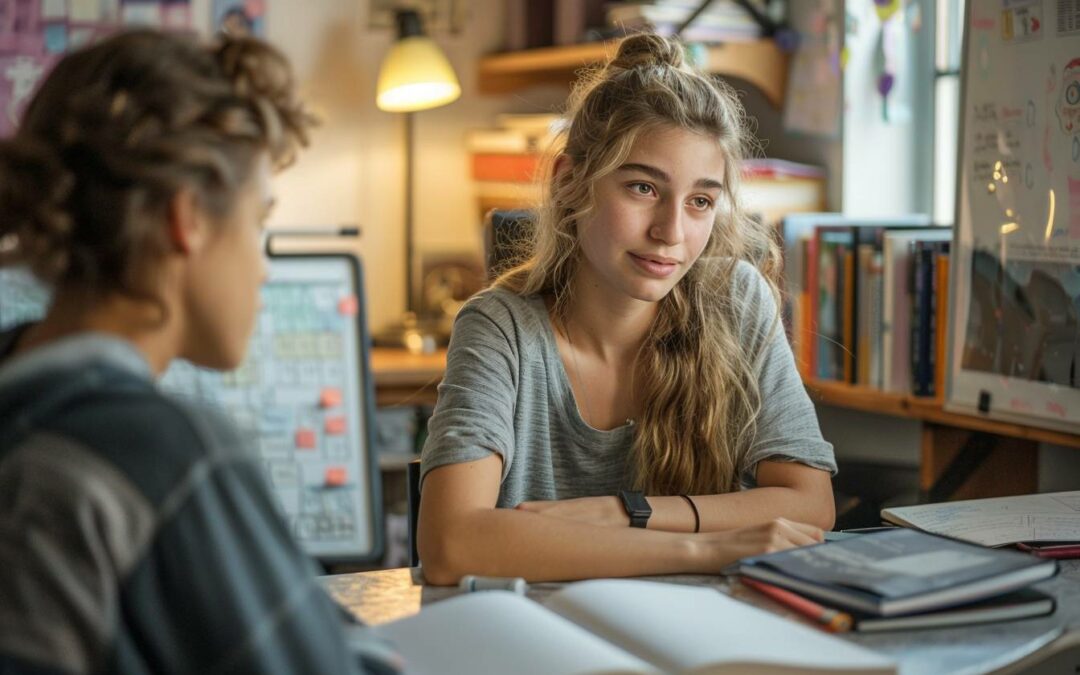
[1044, 524]
[616, 626]
[909, 574]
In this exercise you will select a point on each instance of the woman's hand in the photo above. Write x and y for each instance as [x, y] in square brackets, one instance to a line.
[716, 550]
[594, 510]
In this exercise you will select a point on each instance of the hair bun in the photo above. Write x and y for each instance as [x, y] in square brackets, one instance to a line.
[647, 49]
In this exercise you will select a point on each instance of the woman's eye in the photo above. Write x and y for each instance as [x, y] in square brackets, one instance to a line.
[702, 203]
[641, 188]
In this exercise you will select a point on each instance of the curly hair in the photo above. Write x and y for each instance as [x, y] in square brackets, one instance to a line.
[120, 127]
[694, 365]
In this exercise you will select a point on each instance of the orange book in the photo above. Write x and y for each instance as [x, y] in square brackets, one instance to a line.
[517, 168]
[942, 318]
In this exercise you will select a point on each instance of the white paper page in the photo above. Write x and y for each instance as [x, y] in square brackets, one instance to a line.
[499, 632]
[1053, 516]
[686, 629]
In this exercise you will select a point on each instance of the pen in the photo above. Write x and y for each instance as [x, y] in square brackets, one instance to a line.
[833, 620]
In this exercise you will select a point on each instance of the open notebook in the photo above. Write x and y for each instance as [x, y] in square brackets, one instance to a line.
[617, 626]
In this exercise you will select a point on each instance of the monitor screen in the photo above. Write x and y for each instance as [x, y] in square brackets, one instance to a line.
[303, 397]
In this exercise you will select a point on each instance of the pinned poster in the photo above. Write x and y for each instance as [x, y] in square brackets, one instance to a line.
[348, 306]
[306, 439]
[330, 397]
[335, 426]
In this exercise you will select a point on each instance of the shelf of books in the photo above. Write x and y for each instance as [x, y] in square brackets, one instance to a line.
[760, 62]
[507, 159]
[866, 310]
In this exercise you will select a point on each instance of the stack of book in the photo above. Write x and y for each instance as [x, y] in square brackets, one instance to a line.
[868, 301]
[903, 579]
[722, 21]
[506, 161]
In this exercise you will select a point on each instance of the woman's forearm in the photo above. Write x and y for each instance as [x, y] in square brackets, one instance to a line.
[508, 542]
[747, 507]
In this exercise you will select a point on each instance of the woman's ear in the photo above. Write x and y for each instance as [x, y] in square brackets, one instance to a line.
[185, 222]
[563, 164]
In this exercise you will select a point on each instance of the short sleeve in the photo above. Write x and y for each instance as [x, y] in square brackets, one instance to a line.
[787, 427]
[474, 416]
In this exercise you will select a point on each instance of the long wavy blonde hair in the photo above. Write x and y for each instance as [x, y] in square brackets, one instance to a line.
[697, 378]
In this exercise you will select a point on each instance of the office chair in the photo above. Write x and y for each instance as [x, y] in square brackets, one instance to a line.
[507, 234]
[412, 494]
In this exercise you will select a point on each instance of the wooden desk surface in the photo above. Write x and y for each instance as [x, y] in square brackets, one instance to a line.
[379, 597]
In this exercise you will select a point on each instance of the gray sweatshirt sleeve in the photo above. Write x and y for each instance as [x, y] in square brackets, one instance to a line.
[474, 416]
[787, 428]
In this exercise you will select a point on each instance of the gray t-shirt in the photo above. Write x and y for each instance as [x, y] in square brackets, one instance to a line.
[505, 391]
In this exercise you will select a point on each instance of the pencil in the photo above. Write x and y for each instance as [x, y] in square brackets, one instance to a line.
[832, 620]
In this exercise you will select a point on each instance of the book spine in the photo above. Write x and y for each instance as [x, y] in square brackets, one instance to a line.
[519, 168]
[863, 327]
[921, 316]
[941, 344]
[846, 353]
[810, 314]
[876, 324]
[915, 286]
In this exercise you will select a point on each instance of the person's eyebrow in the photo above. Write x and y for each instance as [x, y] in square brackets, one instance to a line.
[660, 175]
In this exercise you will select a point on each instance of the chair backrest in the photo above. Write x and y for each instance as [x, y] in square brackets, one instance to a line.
[506, 233]
[412, 492]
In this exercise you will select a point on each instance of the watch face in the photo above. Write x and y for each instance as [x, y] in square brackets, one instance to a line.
[636, 504]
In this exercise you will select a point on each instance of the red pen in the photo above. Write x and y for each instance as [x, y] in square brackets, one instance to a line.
[832, 620]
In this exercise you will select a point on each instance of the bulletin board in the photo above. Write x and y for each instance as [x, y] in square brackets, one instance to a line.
[1014, 343]
[303, 397]
[34, 34]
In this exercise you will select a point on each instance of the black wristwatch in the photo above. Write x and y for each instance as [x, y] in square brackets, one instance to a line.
[637, 507]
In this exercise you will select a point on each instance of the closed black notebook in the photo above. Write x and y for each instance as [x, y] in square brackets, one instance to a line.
[1023, 604]
[898, 572]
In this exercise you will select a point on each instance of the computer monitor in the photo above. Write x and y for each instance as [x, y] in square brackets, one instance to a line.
[303, 396]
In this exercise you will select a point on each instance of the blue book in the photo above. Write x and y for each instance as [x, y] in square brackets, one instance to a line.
[898, 572]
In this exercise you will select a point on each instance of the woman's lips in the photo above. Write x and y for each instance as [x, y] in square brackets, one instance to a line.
[653, 267]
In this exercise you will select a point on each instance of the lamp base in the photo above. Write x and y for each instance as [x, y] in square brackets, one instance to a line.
[418, 335]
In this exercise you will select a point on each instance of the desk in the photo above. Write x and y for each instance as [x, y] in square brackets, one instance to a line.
[379, 597]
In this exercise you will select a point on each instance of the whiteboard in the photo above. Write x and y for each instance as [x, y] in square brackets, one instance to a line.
[1014, 337]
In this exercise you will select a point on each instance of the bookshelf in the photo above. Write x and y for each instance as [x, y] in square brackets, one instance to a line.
[869, 399]
[961, 456]
[759, 62]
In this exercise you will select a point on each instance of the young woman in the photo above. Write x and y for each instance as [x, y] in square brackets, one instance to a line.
[633, 370]
[136, 534]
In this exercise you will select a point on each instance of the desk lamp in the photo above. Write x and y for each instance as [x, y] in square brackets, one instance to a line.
[415, 75]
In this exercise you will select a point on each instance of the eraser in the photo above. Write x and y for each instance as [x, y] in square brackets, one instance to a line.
[471, 583]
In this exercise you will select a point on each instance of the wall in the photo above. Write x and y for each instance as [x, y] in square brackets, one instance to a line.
[353, 171]
[887, 163]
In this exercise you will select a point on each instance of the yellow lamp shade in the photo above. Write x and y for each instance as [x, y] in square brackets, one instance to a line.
[415, 75]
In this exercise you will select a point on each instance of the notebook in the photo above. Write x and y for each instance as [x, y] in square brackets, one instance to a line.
[1001, 521]
[898, 572]
[1023, 604]
[617, 626]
